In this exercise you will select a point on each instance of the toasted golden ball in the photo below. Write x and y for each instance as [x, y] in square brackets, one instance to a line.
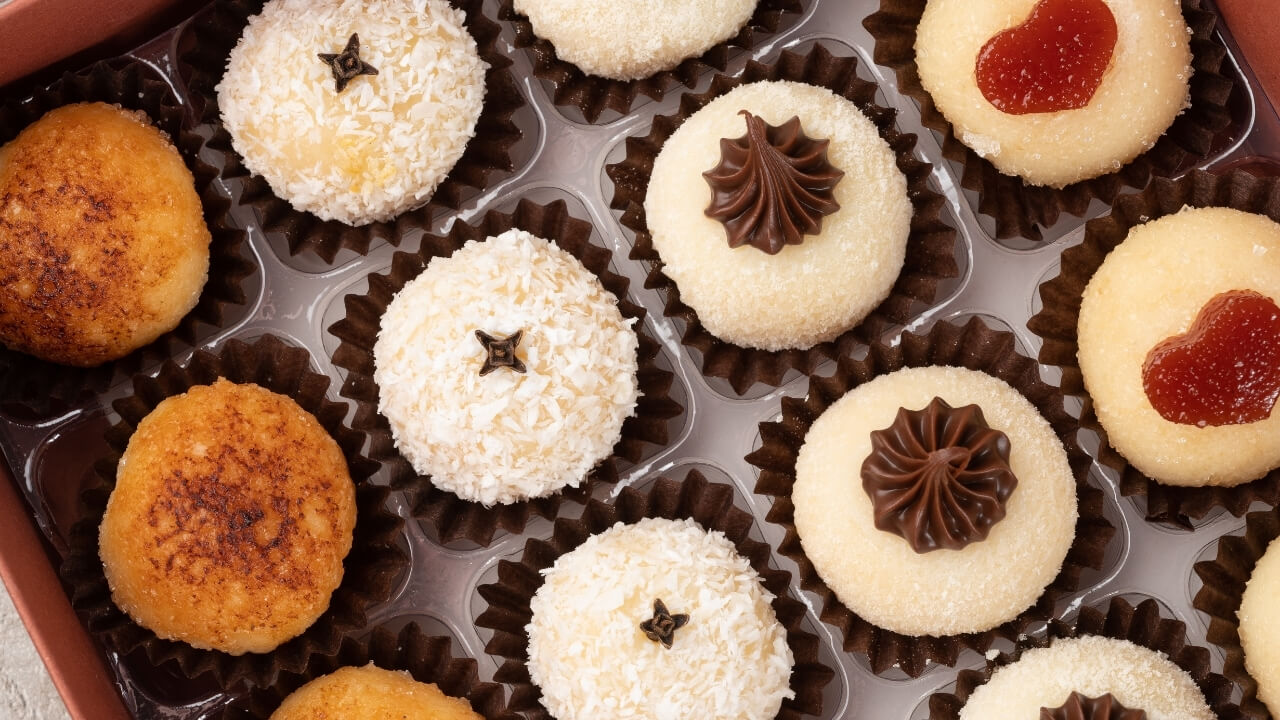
[371, 693]
[232, 512]
[103, 244]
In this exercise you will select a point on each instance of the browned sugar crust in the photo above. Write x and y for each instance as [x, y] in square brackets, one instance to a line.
[230, 519]
[103, 244]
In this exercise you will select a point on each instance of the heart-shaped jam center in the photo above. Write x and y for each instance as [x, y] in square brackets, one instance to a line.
[1225, 370]
[1053, 61]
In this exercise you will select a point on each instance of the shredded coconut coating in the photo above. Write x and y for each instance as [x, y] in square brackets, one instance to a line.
[633, 39]
[506, 436]
[1151, 288]
[589, 657]
[1137, 677]
[807, 293]
[1260, 627]
[945, 592]
[1146, 87]
[381, 146]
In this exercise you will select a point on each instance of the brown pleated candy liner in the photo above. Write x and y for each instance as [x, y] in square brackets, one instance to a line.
[451, 516]
[974, 346]
[1018, 208]
[930, 247]
[593, 95]
[708, 503]
[202, 62]
[44, 388]
[428, 658]
[1140, 625]
[1223, 581]
[1056, 325]
[369, 571]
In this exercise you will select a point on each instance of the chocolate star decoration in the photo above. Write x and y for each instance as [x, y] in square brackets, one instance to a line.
[347, 64]
[501, 352]
[663, 625]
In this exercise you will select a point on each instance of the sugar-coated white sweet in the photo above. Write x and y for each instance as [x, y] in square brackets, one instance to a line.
[807, 293]
[1149, 289]
[589, 657]
[1145, 88]
[1137, 677]
[633, 39]
[1260, 627]
[381, 146]
[506, 436]
[876, 573]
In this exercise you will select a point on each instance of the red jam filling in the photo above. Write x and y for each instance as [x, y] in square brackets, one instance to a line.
[1053, 61]
[1225, 370]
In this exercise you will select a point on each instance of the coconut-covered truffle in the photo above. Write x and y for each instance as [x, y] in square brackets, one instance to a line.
[633, 39]
[371, 693]
[506, 370]
[598, 646]
[232, 513]
[804, 293]
[1143, 89]
[1151, 290]
[1260, 627]
[350, 144]
[880, 574]
[103, 244]
[1136, 677]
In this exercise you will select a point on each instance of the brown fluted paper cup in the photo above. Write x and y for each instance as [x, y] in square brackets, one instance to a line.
[452, 517]
[369, 570]
[974, 346]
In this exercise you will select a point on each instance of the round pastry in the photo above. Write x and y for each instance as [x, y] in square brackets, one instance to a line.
[966, 507]
[353, 110]
[103, 244]
[506, 370]
[230, 518]
[1074, 677]
[1260, 627]
[1179, 337]
[659, 619]
[371, 693]
[633, 39]
[1056, 91]
[792, 233]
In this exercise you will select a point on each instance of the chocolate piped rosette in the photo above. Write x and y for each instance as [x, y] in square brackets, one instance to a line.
[933, 496]
[501, 366]
[1167, 317]
[1049, 104]
[658, 605]
[1118, 662]
[785, 216]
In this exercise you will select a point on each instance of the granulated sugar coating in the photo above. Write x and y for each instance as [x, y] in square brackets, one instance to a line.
[1260, 627]
[633, 39]
[945, 592]
[506, 436]
[382, 145]
[1149, 289]
[591, 660]
[1138, 678]
[807, 293]
[1145, 88]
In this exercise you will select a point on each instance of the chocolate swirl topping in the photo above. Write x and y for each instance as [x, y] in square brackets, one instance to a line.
[773, 185]
[938, 477]
[1079, 707]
